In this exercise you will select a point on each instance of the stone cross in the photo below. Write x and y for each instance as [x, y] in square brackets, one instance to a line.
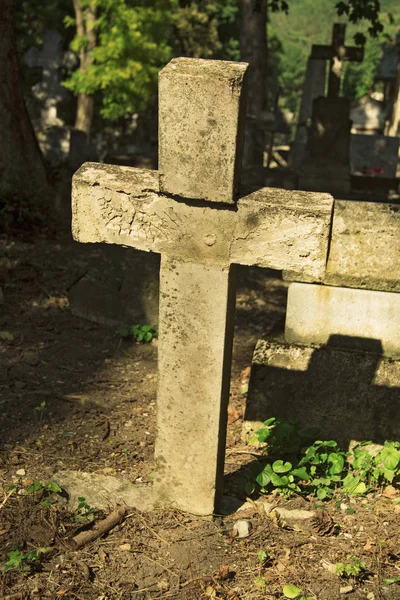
[49, 90]
[191, 213]
[337, 52]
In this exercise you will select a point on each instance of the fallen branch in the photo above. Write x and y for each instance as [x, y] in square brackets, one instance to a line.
[7, 495]
[99, 529]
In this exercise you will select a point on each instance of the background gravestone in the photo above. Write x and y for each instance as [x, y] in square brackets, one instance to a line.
[314, 87]
[326, 166]
[327, 160]
[58, 142]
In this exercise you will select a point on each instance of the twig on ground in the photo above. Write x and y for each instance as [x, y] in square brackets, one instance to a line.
[152, 531]
[6, 497]
[99, 529]
[160, 565]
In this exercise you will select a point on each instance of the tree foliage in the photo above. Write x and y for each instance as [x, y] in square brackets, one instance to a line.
[132, 46]
[135, 38]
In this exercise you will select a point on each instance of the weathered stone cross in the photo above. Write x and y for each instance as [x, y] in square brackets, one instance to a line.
[188, 211]
[337, 53]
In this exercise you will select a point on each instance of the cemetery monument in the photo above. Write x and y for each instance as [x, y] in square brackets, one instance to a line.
[326, 165]
[191, 212]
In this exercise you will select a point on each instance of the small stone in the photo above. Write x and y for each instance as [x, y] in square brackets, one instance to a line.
[371, 596]
[163, 585]
[346, 589]
[241, 529]
[328, 566]
[20, 472]
[125, 547]
[108, 470]
[390, 492]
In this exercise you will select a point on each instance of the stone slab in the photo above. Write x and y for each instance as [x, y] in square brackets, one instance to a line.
[365, 247]
[279, 229]
[103, 491]
[119, 288]
[315, 312]
[197, 304]
[376, 153]
[201, 158]
[349, 395]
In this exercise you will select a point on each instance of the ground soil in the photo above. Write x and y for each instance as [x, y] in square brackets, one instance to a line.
[74, 395]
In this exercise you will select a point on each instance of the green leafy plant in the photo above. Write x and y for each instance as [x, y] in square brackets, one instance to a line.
[291, 591]
[18, 560]
[262, 556]
[321, 467]
[37, 486]
[140, 333]
[391, 580]
[84, 513]
[39, 410]
[284, 436]
[354, 568]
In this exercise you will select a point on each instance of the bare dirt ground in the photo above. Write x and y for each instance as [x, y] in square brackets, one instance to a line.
[74, 395]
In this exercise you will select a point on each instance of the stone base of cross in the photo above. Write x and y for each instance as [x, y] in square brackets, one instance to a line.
[191, 213]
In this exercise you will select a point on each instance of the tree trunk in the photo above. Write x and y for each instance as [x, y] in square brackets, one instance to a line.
[254, 50]
[84, 113]
[22, 171]
[85, 26]
[394, 122]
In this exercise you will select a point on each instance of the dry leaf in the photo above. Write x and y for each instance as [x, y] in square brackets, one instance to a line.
[322, 523]
[224, 572]
[369, 546]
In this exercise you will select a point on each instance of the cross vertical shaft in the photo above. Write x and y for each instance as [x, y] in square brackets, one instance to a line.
[197, 305]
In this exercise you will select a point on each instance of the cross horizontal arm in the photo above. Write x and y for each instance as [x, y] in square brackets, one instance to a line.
[279, 229]
[351, 53]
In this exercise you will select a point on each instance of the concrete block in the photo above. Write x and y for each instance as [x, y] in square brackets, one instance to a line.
[315, 312]
[201, 122]
[365, 247]
[349, 395]
[104, 491]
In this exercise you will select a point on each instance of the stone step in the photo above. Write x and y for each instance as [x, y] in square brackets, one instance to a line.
[369, 320]
[349, 395]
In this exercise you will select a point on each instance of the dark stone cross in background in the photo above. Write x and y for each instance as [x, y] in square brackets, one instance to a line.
[337, 53]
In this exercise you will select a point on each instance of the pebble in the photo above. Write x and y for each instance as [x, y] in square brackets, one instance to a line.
[347, 589]
[125, 547]
[20, 472]
[241, 529]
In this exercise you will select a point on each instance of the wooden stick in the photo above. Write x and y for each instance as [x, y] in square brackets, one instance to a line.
[99, 529]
